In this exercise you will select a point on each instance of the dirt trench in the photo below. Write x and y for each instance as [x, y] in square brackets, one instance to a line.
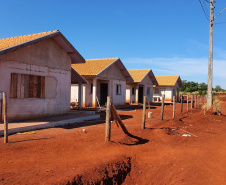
[113, 173]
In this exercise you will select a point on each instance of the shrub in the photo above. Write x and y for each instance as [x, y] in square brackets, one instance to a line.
[216, 108]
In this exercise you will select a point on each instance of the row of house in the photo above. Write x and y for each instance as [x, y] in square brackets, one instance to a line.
[109, 77]
[42, 73]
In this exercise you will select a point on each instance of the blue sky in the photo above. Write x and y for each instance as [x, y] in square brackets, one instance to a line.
[170, 37]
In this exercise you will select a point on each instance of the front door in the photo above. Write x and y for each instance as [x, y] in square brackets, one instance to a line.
[140, 95]
[103, 93]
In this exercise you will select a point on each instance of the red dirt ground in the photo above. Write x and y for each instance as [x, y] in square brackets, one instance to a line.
[157, 155]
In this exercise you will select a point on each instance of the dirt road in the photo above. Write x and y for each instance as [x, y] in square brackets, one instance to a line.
[157, 155]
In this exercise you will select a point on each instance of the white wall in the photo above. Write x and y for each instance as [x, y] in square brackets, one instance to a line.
[74, 92]
[47, 59]
[146, 83]
[113, 76]
[130, 98]
[167, 90]
[119, 99]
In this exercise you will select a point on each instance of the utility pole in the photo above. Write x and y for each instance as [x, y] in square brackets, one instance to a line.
[210, 64]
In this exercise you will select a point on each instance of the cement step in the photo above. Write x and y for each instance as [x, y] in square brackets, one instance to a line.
[36, 125]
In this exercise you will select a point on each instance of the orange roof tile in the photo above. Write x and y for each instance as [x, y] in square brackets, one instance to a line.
[93, 66]
[138, 74]
[13, 41]
[167, 80]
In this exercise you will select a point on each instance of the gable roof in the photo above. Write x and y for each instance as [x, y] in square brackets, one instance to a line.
[169, 80]
[76, 78]
[139, 74]
[13, 43]
[94, 67]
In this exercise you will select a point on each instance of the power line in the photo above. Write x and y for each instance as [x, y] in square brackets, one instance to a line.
[220, 23]
[203, 10]
[206, 9]
[207, 1]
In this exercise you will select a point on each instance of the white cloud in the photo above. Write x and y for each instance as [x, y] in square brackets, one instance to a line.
[195, 69]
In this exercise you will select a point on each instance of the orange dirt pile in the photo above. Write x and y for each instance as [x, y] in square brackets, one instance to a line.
[157, 155]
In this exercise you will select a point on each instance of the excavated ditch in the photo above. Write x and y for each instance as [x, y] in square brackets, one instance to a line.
[113, 173]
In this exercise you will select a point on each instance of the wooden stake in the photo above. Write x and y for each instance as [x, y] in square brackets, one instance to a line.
[195, 101]
[5, 118]
[1, 115]
[108, 120]
[162, 107]
[149, 106]
[174, 107]
[191, 101]
[117, 117]
[181, 103]
[187, 103]
[98, 102]
[198, 100]
[144, 112]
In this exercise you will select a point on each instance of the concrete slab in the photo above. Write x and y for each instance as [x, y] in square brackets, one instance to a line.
[73, 117]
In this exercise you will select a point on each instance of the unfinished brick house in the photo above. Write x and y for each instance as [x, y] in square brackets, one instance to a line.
[105, 77]
[144, 80]
[168, 85]
[35, 73]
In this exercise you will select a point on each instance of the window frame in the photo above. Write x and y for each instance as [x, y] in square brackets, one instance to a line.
[26, 86]
[118, 89]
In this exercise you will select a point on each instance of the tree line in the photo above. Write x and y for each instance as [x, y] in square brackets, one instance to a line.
[190, 86]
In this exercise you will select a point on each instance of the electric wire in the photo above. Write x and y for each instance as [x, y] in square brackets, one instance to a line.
[207, 1]
[204, 10]
[220, 23]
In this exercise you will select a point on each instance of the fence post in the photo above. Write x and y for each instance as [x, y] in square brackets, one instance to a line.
[187, 103]
[195, 101]
[108, 120]
[162, 107]
[198, 100]
[181, 103]
[1, 115]
[191, 101]
[174, 108]
[5, 117]
[144, 112]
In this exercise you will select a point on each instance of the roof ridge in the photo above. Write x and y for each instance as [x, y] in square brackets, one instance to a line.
[168, 75]
[103, 58]
[52, 31]
[139, 69]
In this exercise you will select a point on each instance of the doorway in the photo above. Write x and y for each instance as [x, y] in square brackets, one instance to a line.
[103, 93]
[140, 95]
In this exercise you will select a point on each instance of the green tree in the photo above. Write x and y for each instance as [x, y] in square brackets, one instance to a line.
[218, 88]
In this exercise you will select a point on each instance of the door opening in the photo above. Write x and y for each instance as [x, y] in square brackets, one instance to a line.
[140, 95]
[103, 93]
